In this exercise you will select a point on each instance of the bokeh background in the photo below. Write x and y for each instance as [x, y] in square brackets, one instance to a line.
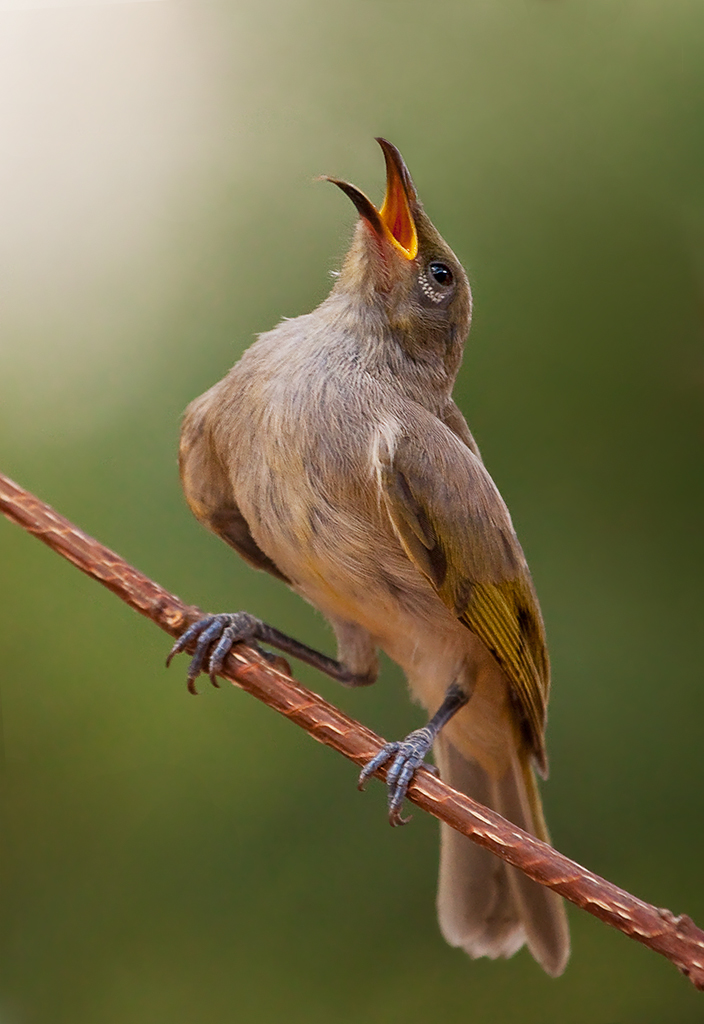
[181, 860]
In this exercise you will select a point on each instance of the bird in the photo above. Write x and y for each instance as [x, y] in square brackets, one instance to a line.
[333, 456]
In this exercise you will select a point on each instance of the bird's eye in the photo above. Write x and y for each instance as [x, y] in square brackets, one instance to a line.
[440, 273]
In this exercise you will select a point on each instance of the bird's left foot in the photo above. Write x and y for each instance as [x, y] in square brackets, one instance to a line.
[214, 637]
[408, 756]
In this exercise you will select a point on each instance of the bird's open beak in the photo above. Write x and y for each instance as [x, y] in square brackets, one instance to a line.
[394, 221]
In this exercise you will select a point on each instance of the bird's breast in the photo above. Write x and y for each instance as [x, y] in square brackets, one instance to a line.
[304, 476]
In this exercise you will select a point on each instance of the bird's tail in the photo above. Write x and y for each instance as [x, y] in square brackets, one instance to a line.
[485, 906]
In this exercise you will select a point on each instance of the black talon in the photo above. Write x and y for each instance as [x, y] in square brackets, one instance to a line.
[409, 758]
[206, 638]
[409, 754]
[376, 762]
[190, 634]
[217, 658]
[214, 637]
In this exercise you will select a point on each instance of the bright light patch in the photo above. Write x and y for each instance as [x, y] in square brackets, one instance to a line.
[104, 116]
[30, 5]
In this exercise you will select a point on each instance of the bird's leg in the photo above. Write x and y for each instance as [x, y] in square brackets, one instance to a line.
[409, 754]
[216, 635]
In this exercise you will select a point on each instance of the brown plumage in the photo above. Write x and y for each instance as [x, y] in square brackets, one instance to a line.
[333, 456]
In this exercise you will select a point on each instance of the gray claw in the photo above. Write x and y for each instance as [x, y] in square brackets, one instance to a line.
[215, 636]
[378, 761]
[409, 756]
[190, 634]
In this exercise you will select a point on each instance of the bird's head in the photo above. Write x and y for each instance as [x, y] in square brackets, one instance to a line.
[401, 267]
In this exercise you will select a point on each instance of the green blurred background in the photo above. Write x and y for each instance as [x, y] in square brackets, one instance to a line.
[181, 860]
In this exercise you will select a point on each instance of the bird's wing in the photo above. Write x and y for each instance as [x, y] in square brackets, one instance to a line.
[452, 417]
[455, 527]
[208, 490]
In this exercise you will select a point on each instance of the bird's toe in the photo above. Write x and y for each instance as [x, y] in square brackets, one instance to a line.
[378, 761]
[408, 755]
[214, 637]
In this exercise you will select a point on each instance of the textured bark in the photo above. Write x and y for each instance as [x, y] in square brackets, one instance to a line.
[675, 937]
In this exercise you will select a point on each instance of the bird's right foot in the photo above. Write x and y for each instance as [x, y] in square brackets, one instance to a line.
[215, 636]
[408, 755]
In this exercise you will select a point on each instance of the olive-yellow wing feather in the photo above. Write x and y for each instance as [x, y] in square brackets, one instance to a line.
[455, 527]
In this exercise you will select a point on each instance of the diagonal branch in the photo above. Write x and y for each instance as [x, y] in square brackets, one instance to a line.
[676, 937]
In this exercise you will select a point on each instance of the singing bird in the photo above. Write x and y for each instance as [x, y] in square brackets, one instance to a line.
[333, 456]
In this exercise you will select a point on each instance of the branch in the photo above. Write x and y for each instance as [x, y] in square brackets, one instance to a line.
[675, 937]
